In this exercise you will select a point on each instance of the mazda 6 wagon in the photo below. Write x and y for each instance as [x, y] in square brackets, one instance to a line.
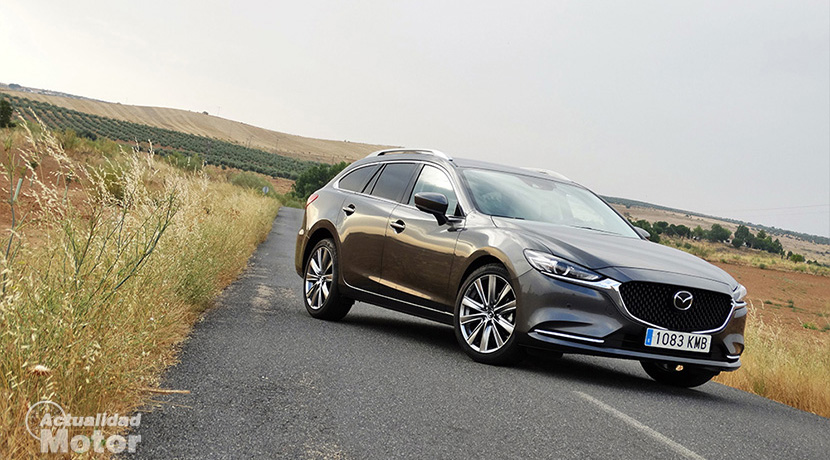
[514, 259]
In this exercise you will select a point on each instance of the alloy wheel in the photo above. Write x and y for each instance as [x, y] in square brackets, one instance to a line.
[488, 313]
[318, 278]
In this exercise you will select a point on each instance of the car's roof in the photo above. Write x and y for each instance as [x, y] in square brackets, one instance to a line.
[464, 163]
[529, 171]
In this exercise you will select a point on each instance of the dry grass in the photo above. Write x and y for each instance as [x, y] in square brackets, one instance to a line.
[99, 289]
[782, 363]
[792, 369]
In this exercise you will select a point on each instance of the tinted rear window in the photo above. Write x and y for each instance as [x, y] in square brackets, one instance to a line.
[356, 180]
[393, 180]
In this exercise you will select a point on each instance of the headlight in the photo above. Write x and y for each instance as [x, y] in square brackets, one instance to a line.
[559, 268]
[739, 293]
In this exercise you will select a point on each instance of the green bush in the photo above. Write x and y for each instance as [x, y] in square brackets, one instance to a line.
[190, 163]
[314, 178]
[5, 113]
[718, 234]
[250, 180]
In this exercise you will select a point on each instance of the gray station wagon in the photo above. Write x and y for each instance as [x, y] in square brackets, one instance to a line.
[514, 259]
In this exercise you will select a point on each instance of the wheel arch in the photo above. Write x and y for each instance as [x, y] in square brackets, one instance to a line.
[321, 231]
[479, 259]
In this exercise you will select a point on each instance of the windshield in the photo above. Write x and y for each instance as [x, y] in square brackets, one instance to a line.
[518, 196]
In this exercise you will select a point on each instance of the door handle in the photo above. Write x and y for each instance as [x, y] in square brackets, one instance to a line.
[349, 210]
[398, 226]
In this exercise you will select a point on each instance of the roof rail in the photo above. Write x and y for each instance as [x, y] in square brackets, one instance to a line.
[436, 153]
[548, 172]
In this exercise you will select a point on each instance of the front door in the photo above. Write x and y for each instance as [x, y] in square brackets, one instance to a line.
[418, 253]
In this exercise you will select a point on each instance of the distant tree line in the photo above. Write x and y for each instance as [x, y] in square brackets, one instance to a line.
[774, 230]
[718, 234]
[662, 228]
[760, 241]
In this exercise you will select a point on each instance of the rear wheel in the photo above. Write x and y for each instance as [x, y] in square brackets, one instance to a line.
[321, 295]
[677, 375]
[485, 317]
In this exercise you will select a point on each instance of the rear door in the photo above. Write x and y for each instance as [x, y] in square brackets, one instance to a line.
[364, 220]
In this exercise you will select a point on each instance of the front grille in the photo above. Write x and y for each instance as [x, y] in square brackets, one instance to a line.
[653, 303]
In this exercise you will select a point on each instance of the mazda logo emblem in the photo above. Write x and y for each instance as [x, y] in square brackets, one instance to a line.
[683, 300]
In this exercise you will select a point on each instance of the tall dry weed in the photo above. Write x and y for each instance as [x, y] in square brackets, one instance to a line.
[794, 370]
[104, 272]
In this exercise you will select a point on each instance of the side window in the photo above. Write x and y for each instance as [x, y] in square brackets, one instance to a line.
[393, 180]
[356, 180]
[434, 180]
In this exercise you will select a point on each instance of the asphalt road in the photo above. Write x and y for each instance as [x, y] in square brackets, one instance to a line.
[268, 381]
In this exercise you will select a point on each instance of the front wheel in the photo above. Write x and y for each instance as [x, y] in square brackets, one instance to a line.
[485, 317]
[677, 375]
[321, 294]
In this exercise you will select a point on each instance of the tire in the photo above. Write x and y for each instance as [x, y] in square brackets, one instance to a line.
[668, 374]
[484, 326]
[321, 294]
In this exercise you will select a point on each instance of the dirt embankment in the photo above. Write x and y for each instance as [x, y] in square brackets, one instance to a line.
[793, 300]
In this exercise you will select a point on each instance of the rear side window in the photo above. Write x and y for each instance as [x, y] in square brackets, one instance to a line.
[356, 180]
[393, 180]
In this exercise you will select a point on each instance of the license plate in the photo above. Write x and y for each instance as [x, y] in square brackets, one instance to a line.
[678, 340]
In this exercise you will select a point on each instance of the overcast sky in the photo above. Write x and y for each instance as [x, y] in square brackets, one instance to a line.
[717, 107]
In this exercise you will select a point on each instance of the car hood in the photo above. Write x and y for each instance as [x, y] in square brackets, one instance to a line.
[598, 250]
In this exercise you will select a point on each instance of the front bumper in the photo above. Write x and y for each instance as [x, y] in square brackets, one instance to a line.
[592, 319]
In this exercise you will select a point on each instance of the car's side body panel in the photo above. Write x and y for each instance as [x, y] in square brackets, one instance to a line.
[418, 259]
[362, 236]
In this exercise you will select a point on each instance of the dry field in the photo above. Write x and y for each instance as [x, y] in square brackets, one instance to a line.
[798, 302]
[787, 355]
[326, 151]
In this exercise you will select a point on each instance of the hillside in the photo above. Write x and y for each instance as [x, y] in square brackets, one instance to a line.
[200, 124]
[179, 146]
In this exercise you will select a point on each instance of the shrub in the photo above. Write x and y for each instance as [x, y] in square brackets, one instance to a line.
[190, 163]
[250, 180]
[314, 178]
[718, 233]
[5, 113]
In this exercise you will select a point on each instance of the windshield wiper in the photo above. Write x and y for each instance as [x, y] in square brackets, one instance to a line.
[595, 229]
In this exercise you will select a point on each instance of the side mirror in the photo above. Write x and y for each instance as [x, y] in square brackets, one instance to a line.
[433, 203]
[643, 233]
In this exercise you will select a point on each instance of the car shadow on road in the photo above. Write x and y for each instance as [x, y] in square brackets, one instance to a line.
[415, 330]
[441, 339]
[598, 373]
